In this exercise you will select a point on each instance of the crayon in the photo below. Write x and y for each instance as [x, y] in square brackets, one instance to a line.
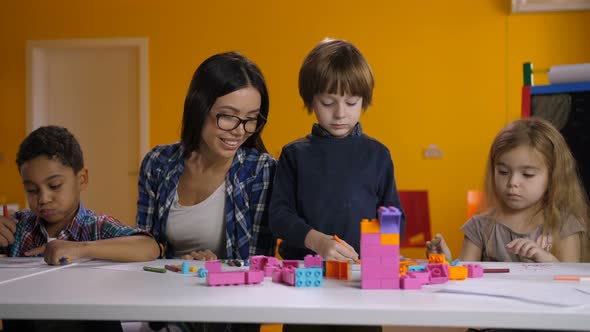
[154, 269]
[570, 278]
[501, 270]
[337, 239]
[5, 211]
[172, 268]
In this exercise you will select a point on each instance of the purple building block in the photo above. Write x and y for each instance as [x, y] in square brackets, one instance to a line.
[389, 219]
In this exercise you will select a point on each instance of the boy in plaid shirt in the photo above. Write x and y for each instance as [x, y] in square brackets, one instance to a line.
[57, 225]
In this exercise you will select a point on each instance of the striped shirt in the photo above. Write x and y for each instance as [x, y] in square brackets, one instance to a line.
[248, 186]
[86, 226]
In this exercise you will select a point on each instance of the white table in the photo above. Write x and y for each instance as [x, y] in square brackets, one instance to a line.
[95, 292]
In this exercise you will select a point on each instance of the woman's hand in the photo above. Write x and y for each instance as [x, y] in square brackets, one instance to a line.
[201, 255]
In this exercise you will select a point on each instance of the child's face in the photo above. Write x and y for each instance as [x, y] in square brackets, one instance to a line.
[215, 137]
[521, 178]
[337, 114]
[52, 189]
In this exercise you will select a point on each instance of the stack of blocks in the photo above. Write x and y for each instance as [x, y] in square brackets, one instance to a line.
[380, 242]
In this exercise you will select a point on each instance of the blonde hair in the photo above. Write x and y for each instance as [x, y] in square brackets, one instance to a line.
[335, 66]
[564, 197]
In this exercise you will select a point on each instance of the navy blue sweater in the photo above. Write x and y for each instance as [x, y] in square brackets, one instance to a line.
[330, 184]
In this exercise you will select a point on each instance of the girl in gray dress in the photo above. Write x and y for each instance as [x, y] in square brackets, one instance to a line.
[537, 208]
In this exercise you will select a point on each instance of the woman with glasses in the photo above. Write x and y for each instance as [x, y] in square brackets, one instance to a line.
[206, 196]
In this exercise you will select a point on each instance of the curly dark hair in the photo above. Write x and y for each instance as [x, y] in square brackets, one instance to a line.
[54, 142]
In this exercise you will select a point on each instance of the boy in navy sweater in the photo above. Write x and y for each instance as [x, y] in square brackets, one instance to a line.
[330, 180]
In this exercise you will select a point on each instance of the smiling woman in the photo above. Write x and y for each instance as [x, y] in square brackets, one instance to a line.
[206, 196]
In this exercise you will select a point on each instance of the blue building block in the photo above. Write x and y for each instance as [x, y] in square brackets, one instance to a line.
[202, 272]
[389, 219]
[416, 268]
[185, 268]
[308, 277]
[455, 262]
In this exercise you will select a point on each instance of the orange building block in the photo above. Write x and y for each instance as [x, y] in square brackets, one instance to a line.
[370, 226]
[457, 272]
[338, 270]
[344, 271]
[437, 258]
[403, 269]
[390, 239]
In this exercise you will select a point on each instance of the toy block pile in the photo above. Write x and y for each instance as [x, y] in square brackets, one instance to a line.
[381, 266]
[380, 250]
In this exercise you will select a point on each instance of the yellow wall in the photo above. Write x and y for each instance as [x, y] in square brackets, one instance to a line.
[447, 72]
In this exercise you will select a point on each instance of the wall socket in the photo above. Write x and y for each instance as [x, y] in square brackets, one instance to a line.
[432, 152]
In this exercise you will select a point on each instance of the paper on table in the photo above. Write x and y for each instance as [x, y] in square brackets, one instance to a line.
[544, 293]
[22, 262]
[548, 269]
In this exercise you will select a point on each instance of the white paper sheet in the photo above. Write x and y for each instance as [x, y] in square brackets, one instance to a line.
[22, 262]
[552, 294]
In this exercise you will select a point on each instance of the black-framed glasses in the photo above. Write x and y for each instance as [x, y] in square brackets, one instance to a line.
[230, 122]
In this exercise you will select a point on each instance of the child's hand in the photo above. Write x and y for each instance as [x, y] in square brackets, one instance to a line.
[439, 246]
[528, 248]
[56, 249]
[202, 255]
[7, 230]
[330, 249]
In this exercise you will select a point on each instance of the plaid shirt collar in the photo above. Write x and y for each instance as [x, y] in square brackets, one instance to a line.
[317, 130]
[71, 231]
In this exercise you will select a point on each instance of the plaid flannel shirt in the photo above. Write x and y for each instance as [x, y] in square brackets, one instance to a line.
[86, 226]
[248, 186]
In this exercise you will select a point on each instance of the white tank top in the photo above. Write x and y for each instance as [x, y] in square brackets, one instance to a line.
[198, 227]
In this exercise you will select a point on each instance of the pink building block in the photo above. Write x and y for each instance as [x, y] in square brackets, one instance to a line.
[474, 270]
[367, 283]
[291, 262]
[272, 261]
[226, 278]
[277, 275]
[371, 239]
[269, 269]
[213, 266]
[254, 277]
[423, 277]
[288, 275]
[439, 273]
[409, 282]
[390, 283]
[391, 251]
[312, 261]
[257, 263]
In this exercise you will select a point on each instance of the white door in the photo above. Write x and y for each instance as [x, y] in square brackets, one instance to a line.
[98, 90]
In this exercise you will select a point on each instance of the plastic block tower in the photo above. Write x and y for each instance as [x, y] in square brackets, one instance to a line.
[380, 268]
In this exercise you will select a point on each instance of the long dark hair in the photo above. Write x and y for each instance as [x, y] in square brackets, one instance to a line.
[216, 77]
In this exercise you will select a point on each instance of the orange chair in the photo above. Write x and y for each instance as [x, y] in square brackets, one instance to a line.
[475, 202]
